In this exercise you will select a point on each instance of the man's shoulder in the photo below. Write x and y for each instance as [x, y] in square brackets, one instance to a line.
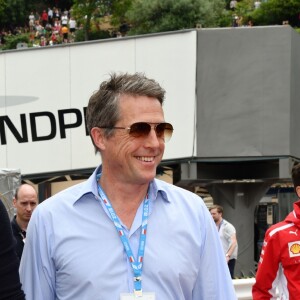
[279, 227]
[228, 226]
[227, 223]
[69, 195]
[169, 188]
[14, 225]
[178, 196]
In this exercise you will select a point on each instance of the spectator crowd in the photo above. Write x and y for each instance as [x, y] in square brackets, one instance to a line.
[50, 27]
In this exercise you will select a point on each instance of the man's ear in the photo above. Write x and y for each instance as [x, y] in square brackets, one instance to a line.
[98, 137]
[297, 188]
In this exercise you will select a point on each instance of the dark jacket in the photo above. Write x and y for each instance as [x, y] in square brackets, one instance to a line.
[10, 286]
[19, 235]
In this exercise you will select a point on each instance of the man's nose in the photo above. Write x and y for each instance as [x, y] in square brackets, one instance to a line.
[29, 207]
[152, 138]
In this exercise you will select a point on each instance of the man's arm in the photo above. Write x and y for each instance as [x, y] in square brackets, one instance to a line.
[233, 245]
[214, 281]
[37, 272]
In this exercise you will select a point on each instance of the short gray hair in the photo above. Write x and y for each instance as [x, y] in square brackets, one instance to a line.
[103, 106]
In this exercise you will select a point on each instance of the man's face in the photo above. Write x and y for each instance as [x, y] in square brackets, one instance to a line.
[131, 159]
[25, 203]
[298, 191]
[215, 214]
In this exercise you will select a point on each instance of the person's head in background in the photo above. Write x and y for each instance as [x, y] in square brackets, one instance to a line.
[25, 201]
[296, 178]
[216, 212]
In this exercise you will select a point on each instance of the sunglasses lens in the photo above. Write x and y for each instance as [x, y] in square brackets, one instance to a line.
[164, 130]
[140, 129]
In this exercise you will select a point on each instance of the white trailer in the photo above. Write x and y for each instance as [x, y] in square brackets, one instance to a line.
[44, 92]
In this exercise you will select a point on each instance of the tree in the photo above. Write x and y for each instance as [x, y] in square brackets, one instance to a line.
[119, 9]
[244, 10]
[274, 12]
[12, 13]
[149, 16]
[15, 13]
[85, 11]
[3, 4]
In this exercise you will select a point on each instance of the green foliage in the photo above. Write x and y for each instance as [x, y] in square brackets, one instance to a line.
[100, 35]
[82, 8]
[12, 12]
[84, 11]
[244, 9]
[148, 16]
[3, 5]
[274, 12]
[93, 35]
[119, 9]
[225, 19]
[12, 41]
[15, 12]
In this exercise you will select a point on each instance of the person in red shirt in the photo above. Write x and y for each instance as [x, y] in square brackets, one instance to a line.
[279, 264]
[44, 18]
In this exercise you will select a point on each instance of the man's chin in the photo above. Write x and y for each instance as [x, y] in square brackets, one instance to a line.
[147, 179]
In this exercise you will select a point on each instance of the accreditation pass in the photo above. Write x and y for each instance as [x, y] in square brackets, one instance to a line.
[131, 296]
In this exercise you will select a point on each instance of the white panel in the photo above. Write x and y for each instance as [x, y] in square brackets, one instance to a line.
[171, 60]
[38, 81]
[59, 78]
[90, 65]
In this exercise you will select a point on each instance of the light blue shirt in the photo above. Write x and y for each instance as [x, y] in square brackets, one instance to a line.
[73, 251]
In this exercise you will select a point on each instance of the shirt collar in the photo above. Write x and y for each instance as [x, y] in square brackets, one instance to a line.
[90, 186]
[159, 186]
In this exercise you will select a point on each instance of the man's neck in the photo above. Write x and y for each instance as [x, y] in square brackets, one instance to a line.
[22, 224]
[124, 198]
[219, 222]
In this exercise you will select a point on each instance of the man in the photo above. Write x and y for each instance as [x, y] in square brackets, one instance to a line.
[31, 21]
[233, 4]
[279, 264]
[24, 201]
[227, 235]
[257, 4]
[44, 18]
[50, 15]
[64, 20]
[123, 234]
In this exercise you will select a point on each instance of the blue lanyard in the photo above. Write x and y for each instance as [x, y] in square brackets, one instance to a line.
[137, 265]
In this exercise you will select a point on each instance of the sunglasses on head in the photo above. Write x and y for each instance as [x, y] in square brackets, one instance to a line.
[140, 129]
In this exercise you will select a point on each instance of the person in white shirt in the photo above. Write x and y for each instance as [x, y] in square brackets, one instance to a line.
[232, 4]
[72, 25]
[227, 235]
[31, 21]
[64, 20]
[257, 4]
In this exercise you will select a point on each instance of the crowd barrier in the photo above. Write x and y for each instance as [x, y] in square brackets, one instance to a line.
[243, 288]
